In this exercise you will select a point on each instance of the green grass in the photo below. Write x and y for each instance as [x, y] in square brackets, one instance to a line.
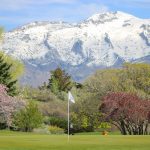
[99, 133]
[26, 141]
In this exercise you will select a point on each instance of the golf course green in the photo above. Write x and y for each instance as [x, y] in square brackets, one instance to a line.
[29, 141]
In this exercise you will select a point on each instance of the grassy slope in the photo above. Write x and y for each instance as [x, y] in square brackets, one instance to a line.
[23, 141]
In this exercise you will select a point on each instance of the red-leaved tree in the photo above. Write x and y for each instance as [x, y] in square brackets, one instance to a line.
[128, 112]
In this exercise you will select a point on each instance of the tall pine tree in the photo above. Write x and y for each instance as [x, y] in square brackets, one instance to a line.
[6, 78]
[59, 81]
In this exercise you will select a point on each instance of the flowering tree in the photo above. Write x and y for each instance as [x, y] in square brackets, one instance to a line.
[8, 105]
[128, 112]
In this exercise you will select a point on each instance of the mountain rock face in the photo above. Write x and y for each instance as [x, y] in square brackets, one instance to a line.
[103, 40]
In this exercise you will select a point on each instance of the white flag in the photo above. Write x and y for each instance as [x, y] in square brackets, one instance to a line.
[70, 97]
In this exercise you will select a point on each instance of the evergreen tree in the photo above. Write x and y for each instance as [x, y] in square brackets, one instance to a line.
[59, 81]
[6, 78]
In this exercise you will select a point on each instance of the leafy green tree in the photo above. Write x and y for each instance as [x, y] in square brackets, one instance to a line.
[29, 118]
[59, 81]
[84, 114]
[17, 67]
[133, 78]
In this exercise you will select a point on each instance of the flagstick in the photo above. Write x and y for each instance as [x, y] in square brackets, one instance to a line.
[68, 120]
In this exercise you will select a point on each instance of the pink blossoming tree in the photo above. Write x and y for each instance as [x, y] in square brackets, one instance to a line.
[8, 105]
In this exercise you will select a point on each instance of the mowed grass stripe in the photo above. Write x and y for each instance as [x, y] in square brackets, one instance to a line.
[77, 142]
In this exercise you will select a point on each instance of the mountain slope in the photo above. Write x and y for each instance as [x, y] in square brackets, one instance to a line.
[103, 40]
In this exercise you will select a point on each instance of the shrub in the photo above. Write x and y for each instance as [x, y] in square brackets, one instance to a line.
[55, 108]
[42, 130]
[56, 130]
[54, 121]
[105, 126]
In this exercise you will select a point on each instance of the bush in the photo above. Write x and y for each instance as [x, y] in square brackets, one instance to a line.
[55, 108]
[56, 130]
[54, 121]
[105, 126]
[42, 130]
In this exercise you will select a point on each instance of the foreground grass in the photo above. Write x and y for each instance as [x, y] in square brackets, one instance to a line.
[25, 141]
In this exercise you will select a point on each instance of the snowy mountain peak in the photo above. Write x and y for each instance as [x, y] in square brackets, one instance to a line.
[44, 24]
[108, 17]
[103, 40]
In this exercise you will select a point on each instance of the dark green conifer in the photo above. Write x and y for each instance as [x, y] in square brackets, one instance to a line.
[6, 78]
[59, 81]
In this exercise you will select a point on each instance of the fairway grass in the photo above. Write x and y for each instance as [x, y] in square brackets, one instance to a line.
[28, 141]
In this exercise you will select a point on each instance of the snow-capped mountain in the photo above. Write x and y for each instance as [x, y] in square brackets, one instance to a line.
[103, 40]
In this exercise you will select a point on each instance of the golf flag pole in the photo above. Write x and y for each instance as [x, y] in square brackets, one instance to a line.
[70, 99]
[68, 118]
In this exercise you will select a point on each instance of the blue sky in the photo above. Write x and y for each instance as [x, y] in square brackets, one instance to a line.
[14, 13]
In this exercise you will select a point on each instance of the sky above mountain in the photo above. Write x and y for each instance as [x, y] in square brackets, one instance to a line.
[14, 13]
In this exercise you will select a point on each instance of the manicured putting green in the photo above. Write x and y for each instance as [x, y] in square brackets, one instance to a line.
[25, 141]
